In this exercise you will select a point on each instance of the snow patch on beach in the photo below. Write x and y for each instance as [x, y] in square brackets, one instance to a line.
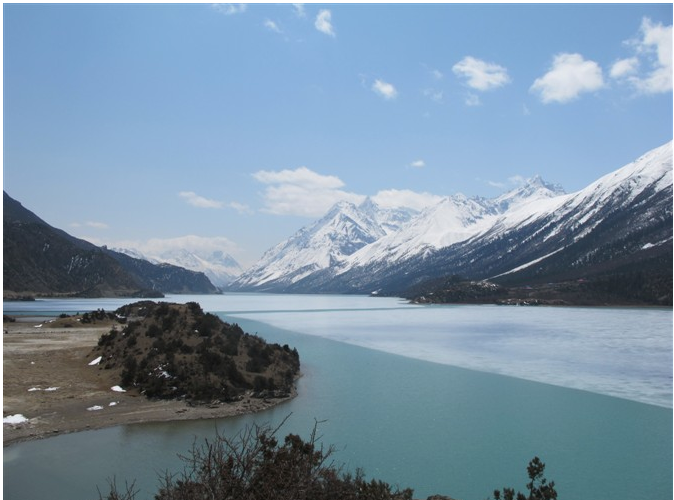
[96, 361]
[14, 419]
[117, 388]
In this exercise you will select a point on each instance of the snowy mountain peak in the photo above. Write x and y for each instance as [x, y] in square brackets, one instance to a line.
[533, 189]
[220, 267]
[352, 247]
[326, 243]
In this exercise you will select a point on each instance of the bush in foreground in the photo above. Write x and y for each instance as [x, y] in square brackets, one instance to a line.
[255, 465]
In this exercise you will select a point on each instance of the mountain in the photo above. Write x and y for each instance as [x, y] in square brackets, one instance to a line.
[345, 229]
[619, 227]
[219, 267]
[43, 260]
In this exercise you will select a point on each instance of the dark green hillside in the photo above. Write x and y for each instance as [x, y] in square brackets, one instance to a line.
[39, 259]
[170, 351]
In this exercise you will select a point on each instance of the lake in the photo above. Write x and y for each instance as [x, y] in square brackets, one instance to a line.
[443, 399]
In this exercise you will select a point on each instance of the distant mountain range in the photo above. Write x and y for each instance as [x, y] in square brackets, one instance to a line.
[620, 226]
[39, 259]
[219, 267]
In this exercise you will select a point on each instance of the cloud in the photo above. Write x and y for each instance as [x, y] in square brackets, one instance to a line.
[418, 164]
[653, 48]
[434, 95]
[395, 198]
[472, 100]
[570, 76]
[515, 180]
[302, 192]
[624, 67]
[200, 245]
[481, 75]
[95, 225]
[323, 22]
[384, 89]
[229, 9]
[299, 10]
[272, 26]
[199, 201]
[240, 207]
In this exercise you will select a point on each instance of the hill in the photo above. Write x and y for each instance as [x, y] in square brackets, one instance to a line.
[39, 259]
[176, 351]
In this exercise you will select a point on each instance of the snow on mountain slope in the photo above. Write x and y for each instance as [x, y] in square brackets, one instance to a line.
[324, 244]
[453, 220]
[352, 248]
[569, 212]
[220, 267]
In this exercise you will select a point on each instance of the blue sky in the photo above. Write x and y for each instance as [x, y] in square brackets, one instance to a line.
[231, 126]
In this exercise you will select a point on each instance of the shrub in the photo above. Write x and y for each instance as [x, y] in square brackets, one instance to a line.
[255, 465]
[538, 486]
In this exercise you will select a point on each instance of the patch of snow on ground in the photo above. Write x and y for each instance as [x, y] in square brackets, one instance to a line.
[117, 388]
[33, 389]
[96, 361]
[14, 419]
[113, 403]
[94, 408]
[51, 389]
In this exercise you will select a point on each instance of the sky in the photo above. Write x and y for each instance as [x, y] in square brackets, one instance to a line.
[231, 126]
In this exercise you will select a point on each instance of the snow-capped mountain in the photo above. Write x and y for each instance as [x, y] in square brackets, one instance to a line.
[533, 231]
[454, 219]
[220, 267]
[324, 244]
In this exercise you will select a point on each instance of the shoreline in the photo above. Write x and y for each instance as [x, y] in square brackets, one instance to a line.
[47, 379]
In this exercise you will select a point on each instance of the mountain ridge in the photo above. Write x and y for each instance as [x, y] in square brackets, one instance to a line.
[39, 259]
[535, 232]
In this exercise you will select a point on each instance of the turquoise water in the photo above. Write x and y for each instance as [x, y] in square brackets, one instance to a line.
[427, 425]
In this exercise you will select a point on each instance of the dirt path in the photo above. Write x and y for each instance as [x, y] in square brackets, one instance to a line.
[47, 379]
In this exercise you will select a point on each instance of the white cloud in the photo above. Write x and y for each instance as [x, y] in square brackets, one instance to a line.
[472, 100]
[418, 164]
[272, 26]
[200, 245]
[481, 75]
[299, 10]
[199, 201]
[395, 198]
[514, 181]
[654, 49]
[240, 207]
[302, 192]
[624, 67]
[434, 95]
[437, 74]
[323, 22]
[93, 224]
[570, 76]
[384, 89]
[229, 9]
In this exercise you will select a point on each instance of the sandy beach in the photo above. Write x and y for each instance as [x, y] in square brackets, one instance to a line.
[48, 380]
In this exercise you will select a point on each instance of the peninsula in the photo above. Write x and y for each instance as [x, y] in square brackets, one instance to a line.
[75, 373]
